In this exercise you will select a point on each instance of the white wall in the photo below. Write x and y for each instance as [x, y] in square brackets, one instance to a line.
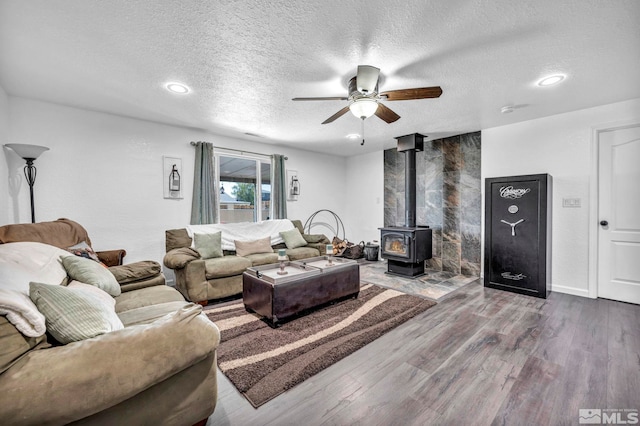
[561, 146]
[4, 170]
[364, 190]
[105, 172]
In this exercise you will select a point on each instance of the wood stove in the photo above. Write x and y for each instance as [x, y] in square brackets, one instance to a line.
[407, 247]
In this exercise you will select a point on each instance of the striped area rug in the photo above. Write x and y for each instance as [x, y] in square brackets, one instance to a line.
[263, 362]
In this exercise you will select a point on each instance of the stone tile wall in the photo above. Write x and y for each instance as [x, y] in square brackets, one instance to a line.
[447, 199]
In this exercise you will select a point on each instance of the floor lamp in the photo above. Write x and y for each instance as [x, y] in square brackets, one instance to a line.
[29, 153]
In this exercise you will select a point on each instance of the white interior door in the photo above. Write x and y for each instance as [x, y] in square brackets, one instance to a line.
[619, 214]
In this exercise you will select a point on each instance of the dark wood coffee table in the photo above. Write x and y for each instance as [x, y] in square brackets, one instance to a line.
[308, 284]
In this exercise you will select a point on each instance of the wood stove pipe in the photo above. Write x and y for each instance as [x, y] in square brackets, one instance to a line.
[410, 144]
[410, 188]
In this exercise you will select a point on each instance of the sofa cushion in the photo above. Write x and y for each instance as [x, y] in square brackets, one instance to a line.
[89, 272]
[225, 266]
[293, 238]
[135, 271]
[302, 253]
[263, 258]
[177, 238]
[245, 248]
[14, 345]
[208, 245]
[73, 314]
[148, 314]
[147, 296]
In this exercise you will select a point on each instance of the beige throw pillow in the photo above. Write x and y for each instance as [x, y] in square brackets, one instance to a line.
[73, 314]
[245, 248]
[105, 297]
[293, 238]
[208, 245]
[89, 272]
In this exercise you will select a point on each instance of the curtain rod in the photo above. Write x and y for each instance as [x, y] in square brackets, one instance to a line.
[239, 150]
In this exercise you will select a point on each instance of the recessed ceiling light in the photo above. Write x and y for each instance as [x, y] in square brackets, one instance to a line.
[551, 80]
[507, 109]
[177, 88]
[353, 136]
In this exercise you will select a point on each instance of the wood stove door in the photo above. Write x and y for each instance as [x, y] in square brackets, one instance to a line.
[396, 245]
[516, 244]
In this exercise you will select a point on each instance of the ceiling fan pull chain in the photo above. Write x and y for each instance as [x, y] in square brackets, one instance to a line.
[362, 131]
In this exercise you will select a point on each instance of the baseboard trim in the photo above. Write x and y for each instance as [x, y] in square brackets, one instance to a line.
[570, 290]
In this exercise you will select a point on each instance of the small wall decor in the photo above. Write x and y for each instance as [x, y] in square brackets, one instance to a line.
[293, 185]
[172, 177]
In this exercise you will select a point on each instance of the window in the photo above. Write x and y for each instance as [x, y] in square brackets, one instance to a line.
[245, 186]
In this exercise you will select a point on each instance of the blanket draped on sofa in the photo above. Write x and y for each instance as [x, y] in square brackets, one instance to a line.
[244, 231]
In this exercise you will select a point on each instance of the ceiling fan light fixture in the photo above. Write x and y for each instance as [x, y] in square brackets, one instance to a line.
[353, 136]
[364, 107]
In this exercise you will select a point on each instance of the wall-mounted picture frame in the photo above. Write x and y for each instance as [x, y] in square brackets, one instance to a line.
[293, 185]
[172, 177]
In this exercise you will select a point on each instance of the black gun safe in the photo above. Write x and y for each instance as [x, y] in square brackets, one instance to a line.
[517, 247]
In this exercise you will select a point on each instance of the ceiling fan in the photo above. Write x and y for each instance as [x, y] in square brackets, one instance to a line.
[364, 98]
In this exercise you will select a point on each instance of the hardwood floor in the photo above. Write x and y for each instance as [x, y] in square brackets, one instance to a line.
[480, 357]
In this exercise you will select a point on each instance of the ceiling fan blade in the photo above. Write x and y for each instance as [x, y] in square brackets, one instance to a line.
[334, 98]
[367, 79]
[386, 114]
[408, 94]
[338, 114]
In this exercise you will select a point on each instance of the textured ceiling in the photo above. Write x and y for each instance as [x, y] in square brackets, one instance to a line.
[245, 61]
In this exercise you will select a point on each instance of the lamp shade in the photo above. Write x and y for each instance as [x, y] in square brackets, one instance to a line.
[364, 107]
[27, 151]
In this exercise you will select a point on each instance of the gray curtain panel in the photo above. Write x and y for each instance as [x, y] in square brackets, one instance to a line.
[279, 188]
[204, 207]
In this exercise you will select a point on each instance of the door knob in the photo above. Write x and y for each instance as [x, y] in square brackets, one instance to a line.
[604, 223]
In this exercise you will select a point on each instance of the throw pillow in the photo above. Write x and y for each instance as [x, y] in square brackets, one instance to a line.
[293, 238]
[73, 315]
[315, 238]
[83, 249]
[89, 272]
[104, 297]
[244, 248]
[208, 245]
